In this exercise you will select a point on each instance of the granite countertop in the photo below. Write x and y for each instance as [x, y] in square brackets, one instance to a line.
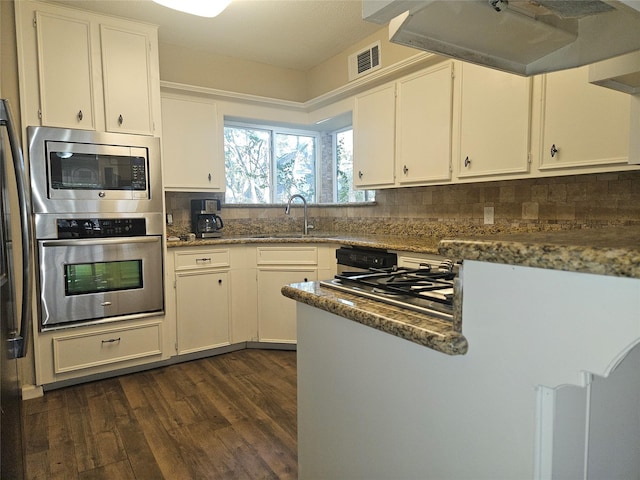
[611, 251]
[606, 251]
[419, 328]
[404, 243]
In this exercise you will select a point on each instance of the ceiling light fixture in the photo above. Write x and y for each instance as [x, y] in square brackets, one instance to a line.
[202, 8]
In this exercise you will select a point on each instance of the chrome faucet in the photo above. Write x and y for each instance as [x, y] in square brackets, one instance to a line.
[307, 227]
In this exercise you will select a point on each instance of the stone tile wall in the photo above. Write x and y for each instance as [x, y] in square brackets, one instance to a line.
[567, 202]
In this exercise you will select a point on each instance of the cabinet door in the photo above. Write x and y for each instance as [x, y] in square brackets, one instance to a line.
[202, 306]
[374, 137]
[126, 79]
[582, 124]
[276, 313]
[423, 129]
[64, 69]
[193, 158]
[494, 122]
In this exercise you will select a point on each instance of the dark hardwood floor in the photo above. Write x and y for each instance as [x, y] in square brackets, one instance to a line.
[231, 416]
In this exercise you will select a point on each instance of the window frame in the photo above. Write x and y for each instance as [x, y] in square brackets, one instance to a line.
[320, 164]
[274, 129]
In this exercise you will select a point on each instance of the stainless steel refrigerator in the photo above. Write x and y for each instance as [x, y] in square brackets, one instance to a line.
[14, 319]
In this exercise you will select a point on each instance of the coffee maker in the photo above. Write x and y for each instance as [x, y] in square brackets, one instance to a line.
[205, 222]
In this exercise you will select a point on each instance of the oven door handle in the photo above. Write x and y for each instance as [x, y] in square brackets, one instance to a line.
[99, 241]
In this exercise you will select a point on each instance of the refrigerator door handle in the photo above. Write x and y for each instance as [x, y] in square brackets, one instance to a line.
[19, 341]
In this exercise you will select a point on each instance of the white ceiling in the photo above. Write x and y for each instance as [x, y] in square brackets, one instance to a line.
[295, 34]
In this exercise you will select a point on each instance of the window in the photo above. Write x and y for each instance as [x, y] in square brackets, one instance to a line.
[344, 171]
[268, 164]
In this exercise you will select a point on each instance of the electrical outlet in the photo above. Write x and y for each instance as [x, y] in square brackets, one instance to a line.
[488, 215]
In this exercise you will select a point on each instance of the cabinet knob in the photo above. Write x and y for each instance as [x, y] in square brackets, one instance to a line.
[305, 279]
[554, 150]
[220, 281]
[209, 177]
[80, 115]
[120, 120]
[360, 174]
[405, 169]
[467, 161]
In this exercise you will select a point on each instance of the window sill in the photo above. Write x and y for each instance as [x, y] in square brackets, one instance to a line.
[295, 205]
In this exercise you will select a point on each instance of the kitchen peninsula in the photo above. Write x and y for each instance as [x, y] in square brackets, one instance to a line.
[552, 321]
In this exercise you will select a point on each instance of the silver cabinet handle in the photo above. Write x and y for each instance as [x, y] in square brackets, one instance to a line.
[203, 260]
[111, 340]
[554, 150]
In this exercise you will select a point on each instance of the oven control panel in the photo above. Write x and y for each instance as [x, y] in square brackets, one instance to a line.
[100, 227]
[366, 258]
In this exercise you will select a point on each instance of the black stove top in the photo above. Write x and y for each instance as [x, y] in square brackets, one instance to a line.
[426, 290]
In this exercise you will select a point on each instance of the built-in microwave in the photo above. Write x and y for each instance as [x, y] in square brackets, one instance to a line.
[84, 171]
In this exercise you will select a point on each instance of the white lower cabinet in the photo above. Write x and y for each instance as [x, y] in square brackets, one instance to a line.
[85, 350]
[67, 355]
[232, 294]
[203, 310]
[276, 313]
[279, 266]
[203, 297]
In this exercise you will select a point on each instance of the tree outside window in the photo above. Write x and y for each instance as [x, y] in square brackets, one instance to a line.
[268, 165]
[247, 153]
[295, 166]
[345, 192]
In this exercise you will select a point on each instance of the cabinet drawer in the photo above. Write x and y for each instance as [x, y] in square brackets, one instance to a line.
[75, 352]
[287, 255]
[202, 259]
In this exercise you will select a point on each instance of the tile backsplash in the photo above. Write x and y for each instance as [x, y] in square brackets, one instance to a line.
[567, 202]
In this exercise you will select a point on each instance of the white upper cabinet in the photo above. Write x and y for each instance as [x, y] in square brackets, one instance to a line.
[494, 113]
[374, 137]
[402, 130]
[64, 61]
[580, 124]
[82, 70]
[192, 145]
[423, 126]
[126, 79]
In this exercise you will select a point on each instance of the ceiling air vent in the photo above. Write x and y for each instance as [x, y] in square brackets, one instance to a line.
[364, 61]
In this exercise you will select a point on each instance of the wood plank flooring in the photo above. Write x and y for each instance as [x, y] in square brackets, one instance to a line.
[232, 416]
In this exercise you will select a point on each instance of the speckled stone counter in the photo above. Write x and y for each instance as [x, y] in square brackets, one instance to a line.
[417, 244]
[602, 251]
[419, 328]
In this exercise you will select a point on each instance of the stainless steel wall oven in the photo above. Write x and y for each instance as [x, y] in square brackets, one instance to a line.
[99, 270]
[98, 226]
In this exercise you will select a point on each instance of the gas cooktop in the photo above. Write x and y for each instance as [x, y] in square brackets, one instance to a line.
[426, 290]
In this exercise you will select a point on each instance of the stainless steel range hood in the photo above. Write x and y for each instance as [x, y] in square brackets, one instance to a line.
[524, 37]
